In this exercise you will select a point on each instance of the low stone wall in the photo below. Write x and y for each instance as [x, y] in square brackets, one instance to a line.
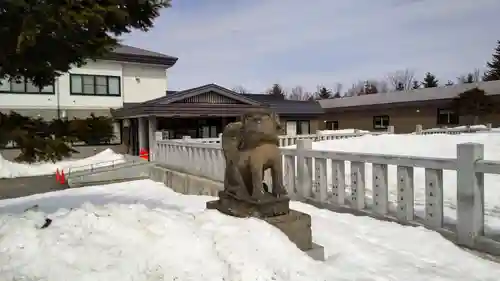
[84, 151]
[185, 183]
[119, 173]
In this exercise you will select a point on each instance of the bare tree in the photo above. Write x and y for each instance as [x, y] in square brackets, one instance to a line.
[355, 89]
[298, 93]
[337, 90]
[240, 90]
[449, 83]
[401, 80]
[471, 77]
[477, 74]
[382, 86]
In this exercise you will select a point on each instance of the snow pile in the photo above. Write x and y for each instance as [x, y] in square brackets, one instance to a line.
[342, 132]
[441, 146]
[151, 233]
[459, 128]
[10, 169]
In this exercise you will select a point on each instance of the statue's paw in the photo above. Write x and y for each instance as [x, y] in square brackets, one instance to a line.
[258, 195]
[279, 192]
[242, 193]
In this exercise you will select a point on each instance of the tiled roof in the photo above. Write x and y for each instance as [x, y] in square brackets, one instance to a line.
[129, 50]
[426, 94]
[132, 54]
[283, 106]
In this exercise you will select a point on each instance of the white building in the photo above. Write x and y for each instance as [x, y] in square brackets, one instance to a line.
[127, 75]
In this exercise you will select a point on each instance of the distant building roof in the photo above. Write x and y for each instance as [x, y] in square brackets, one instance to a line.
[287, 107]
[132, 54]
[418, 95]
[167, 104]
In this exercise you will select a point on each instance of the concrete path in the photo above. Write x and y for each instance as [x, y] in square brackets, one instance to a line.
[24, 186]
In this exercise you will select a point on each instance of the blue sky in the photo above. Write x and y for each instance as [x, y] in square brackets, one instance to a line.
[320, 42]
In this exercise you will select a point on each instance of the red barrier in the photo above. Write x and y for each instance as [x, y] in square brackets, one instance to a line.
[62, 178]
[144, 154]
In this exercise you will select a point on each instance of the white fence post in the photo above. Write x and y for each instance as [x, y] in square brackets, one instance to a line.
[418, 129]
[304, 177]
[470, 194]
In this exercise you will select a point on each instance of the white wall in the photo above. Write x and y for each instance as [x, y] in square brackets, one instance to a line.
[138, 83]
[91, 68]
[143, 82]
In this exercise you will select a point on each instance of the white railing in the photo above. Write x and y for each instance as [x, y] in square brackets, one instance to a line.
[320, 177]
[454, 130]
[286, 140]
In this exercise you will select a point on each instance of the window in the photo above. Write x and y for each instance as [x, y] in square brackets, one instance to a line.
[447, 117]
[297, 127]
[304, 128]
[97, 85]
[332, 125]
[381, 122]
[23, 87]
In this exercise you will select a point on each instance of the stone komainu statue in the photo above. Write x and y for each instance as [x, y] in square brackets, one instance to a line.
[250, 147]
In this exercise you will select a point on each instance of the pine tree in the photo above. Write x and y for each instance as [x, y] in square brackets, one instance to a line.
[469, 78]
[493, 72]
[43, 39]
[277, 90]
[323, 93]
[369, 88]
[430, 81]
[474, 102]
[400, 86]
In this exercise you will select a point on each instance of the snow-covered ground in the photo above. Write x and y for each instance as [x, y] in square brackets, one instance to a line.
[341, 132]
[441, 146]
[10, 169]
[142, 231]
[460, 128]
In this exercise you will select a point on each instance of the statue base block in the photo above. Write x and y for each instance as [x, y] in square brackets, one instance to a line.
[275, 211]
[235, 206]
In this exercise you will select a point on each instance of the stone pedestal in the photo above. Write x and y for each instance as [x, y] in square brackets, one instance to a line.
[275, 211]
[269, 206]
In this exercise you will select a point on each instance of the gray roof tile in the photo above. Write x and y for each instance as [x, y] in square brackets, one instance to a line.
[129, 50]
[284, 107]
[426, 94]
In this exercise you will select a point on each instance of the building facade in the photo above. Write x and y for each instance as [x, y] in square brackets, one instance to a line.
[430, 107]
[131, 85]
[204, 111]
[127, 75]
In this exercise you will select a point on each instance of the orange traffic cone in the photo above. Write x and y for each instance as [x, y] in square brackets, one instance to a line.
[58, 176]
[143, 154]
[62, 178]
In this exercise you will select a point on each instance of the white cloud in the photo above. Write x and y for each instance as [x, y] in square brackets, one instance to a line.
[257, 43]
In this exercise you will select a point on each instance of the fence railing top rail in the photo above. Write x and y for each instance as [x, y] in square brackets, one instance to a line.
[190, 144]
[400, 160]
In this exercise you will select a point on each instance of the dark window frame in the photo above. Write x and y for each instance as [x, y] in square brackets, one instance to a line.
[72, 93]
[453, 117]
[298, 128]
[381, 118]
[332, 125]
[25, 89]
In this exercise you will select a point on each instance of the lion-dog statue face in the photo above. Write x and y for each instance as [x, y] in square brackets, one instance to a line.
[261, 123]
[259, 127]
